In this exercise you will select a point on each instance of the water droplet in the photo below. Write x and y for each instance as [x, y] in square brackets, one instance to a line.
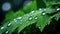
[15, 20]
[36, 18]
[9, 24]
[19, 18]
[33, 11]
[44, 9]
[30, 18]
[2, 27]
[40, 9]
[58, 9]
[44, 13]
[6, 32]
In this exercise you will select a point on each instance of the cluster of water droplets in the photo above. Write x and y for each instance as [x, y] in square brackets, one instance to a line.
[42, 11]
[15, 20]
[20, 18]
[30, 18]
[9, 24]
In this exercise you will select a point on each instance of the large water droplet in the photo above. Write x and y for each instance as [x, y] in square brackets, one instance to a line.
[2, 27]
[43, 13]
[30, 18]
[19, 18]
[6, 32]
[9, 24]
[15, 20]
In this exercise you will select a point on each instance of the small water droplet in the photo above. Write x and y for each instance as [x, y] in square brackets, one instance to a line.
[15, 20]
[9, 24]
[33, 11]
[30, 18]
[2, 27]
[36, 18]
[43, 13]
[58, 9]
[19, 18]
[40, 9]
[6, 32]
[44, 9]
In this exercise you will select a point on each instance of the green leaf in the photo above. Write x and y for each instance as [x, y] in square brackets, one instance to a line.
[25, 21]
[43, 21]
[20, 22]
[30, 19]
[50, 10]
[57, 16]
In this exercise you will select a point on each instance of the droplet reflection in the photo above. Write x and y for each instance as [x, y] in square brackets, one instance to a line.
[2, 27]
[30, 18]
